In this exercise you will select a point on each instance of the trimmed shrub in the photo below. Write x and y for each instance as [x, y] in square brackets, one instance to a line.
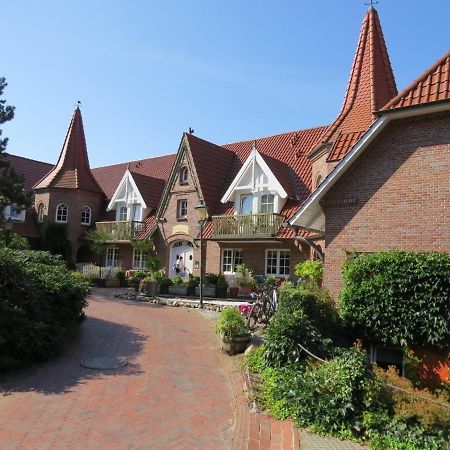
[40, 300]
[398, 297]
[310, 272]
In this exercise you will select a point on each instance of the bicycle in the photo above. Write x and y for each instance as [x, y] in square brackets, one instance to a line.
[264, 307]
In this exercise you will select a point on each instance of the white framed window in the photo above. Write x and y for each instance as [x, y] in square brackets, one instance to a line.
[15, 212]
[136, 212]
[112, 257]
[267, 203]
[61, 213]
[40, 212]
[123, 213]
[278, 262]
[140, 259]
[182, 209]
[86, 216]
[231, 257]
[184, 175]
[246, 206]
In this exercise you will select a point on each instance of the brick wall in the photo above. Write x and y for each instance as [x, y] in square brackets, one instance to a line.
[401, 189]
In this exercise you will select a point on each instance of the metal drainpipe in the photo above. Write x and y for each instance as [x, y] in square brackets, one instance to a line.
[304, 240]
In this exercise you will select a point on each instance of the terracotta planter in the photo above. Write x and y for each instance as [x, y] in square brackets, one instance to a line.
[236, 345]
[234, 291]
[245, 290]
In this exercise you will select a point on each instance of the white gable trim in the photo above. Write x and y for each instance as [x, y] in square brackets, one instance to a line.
[126, 176]
[310, 216]
[254, 157]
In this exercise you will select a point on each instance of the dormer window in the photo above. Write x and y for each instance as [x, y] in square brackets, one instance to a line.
[61, 213]
[40, 213]
[86, 216]
[184, 175]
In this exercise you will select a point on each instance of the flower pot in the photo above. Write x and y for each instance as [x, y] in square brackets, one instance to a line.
[112, 282]
[191, 291]
[178, 289]
[207, 291]
[236, 345]
[136, 281]
[164, 288]
[99, 282]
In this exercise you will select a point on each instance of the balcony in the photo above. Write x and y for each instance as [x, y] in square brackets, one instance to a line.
[243, 226]
[120, 231]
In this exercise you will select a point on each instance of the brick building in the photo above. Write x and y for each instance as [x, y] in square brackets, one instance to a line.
[252, 189]
[392, 190]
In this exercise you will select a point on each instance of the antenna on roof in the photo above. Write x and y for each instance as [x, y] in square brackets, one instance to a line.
[191, 131]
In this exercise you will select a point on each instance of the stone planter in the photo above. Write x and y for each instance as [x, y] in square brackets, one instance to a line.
[178, 289]
[99, 282]
[112, 282]
[221, 292]
[191, 291]
[207, 291]
[236, 345]
[164, 288]
[151, 288]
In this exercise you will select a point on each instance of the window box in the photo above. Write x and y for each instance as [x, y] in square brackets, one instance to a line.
[209, 291]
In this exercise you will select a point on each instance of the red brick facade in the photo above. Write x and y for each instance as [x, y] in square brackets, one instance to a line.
[397, 194]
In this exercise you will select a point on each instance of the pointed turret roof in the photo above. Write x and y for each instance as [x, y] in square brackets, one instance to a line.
[72, 170]
[370, 87]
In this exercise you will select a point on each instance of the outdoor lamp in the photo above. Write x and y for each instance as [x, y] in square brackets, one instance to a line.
[201, 212]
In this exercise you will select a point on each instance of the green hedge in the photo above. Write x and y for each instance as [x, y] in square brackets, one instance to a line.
[39, 301]
[398, 297]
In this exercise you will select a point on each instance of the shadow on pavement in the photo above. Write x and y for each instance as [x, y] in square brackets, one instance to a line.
[94, 337]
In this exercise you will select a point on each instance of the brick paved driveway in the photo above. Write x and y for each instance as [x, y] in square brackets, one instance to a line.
[175, 392]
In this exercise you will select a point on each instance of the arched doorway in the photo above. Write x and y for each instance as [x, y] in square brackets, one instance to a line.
[181, 249]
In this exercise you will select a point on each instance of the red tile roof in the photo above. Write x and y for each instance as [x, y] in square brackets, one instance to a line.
[108, 177]
[150, 188]
[370, 86]
[149, 226]
[432, 86]
[342, 145]
[72, 169]
[212, 164]
[31, 169]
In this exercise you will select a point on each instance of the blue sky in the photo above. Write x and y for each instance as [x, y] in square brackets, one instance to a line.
[147, 70]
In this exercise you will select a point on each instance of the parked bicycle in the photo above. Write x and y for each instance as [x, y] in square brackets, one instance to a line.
[264, 306]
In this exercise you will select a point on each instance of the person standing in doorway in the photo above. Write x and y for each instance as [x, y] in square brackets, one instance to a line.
[180, 268]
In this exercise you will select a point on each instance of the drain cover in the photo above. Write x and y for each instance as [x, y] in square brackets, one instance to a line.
[104, 362]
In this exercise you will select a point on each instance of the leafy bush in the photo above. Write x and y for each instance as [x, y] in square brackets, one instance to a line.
[211, 279]
[310, 272]
[13, 240]
[177, 280]
[286, 335]
[40, 300]
[193, 281]
[398, 298]
[231, 323]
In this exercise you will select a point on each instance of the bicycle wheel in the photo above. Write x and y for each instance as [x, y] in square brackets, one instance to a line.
[255, 316]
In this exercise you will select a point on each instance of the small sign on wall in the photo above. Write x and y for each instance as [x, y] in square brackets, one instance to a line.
[180, 229]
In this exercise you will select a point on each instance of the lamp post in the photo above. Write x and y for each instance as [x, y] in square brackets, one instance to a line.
[202, 214]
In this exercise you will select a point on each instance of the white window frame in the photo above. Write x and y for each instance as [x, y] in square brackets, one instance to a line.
[140, 259]
[184, 175]
[112, 257]
[181, 209]
[122, 217]
[278, 260]
[63, 215]
[40, 213]
[266, 203]
[86, 214]
[234, 259]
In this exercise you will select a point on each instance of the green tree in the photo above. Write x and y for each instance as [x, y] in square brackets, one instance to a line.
[11, 184]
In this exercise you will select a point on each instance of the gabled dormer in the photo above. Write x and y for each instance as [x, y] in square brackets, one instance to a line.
[127, 200]
[256, 189]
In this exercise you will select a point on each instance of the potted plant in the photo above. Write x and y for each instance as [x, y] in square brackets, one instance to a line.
[120, 275]
[178, 287]
[221, 286]
[244, 279]
[149, 286]
[234, 331]
[137, 278]
[209, 285]
[164, 284]
[192, 284]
